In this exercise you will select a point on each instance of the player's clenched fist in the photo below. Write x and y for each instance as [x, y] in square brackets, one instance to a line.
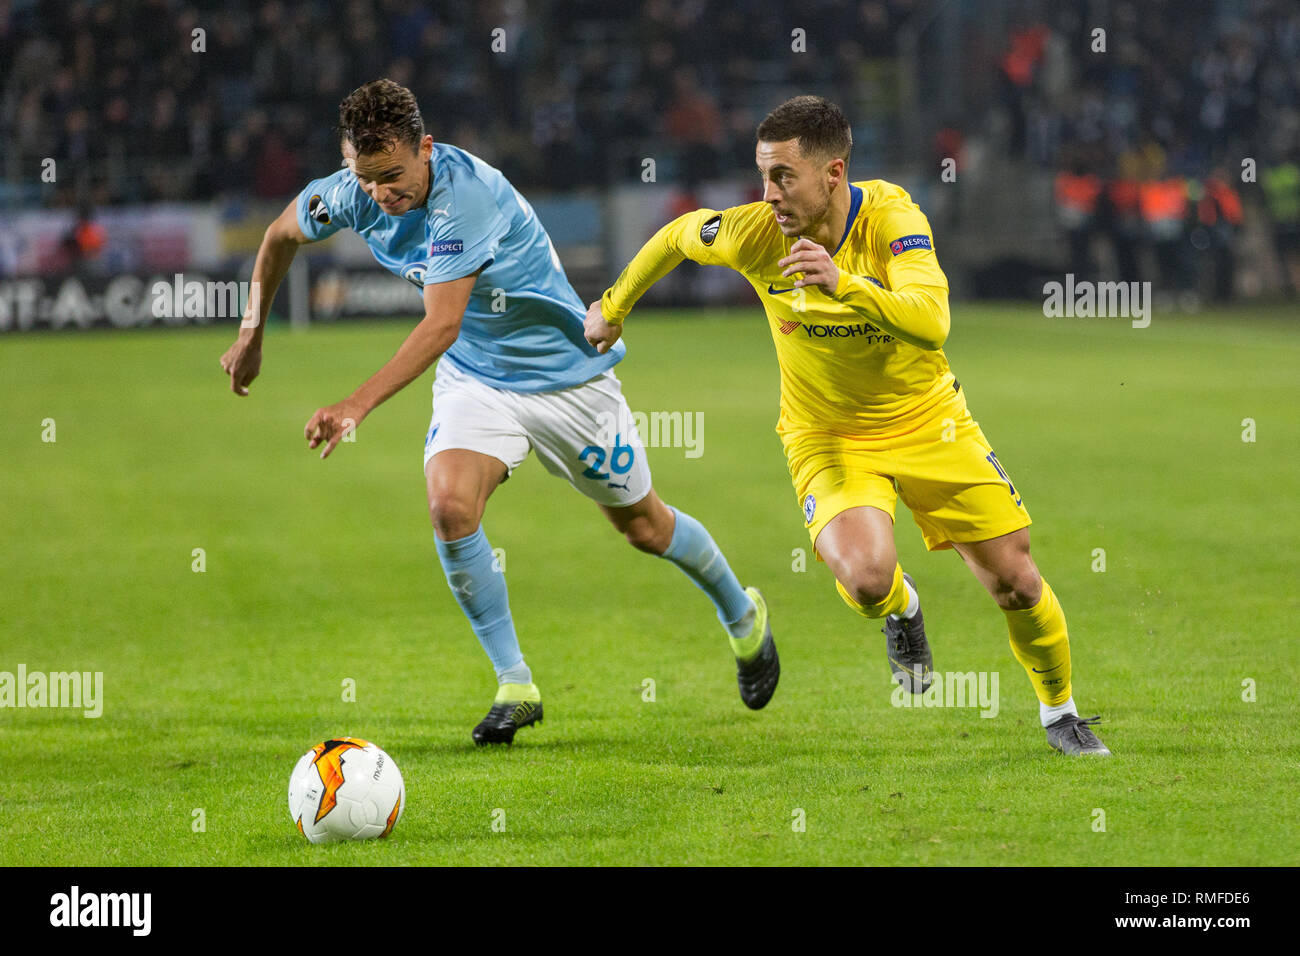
[601, 335]
[242, 362]
[812, 259]
[330, 425]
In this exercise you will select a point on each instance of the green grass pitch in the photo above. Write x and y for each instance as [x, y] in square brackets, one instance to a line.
[1127, 440]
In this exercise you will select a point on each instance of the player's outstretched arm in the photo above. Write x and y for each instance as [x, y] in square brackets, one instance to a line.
[680, 239]
[658, 257]
[444, 307]
[243, 360]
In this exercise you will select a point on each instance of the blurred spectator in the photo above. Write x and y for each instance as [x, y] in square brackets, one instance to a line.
[83, 242]
[1121, 215]
[683, 282]
[948, 157]
[1078, 192]
[1019, 66]
[1163, 202]
[1281, 184]
[1218, 218]
[694, 126]
[279, 168]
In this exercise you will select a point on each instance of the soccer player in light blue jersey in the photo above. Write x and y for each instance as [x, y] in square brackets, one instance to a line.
[516, 374]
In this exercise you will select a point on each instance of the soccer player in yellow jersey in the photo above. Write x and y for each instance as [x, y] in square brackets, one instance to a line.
[870, 410]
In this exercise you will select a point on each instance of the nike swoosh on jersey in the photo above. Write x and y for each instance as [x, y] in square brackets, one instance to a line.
[772, 290]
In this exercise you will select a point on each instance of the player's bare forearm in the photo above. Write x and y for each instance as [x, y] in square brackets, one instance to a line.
[426, 343]
[243, 360]
[274, 257]
[444, 307]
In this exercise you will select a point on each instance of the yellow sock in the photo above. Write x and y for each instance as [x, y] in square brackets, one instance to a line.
[895, 601]
[1042, 645]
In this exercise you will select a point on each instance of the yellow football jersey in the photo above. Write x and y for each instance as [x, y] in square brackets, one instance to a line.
[866, 361]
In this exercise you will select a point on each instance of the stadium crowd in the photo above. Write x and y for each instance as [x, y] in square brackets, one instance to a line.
[124, 95]
[1155, 129]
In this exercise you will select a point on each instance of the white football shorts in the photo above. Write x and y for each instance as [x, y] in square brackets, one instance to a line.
[584, 434]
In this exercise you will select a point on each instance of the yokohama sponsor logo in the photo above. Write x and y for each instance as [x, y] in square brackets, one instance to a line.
[839, 331]
[863, 329]
[872, 334]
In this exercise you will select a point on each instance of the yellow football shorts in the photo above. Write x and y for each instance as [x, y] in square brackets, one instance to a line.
[945, 471]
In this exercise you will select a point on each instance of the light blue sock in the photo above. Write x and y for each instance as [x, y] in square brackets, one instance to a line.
[479, 587]
[693, 550]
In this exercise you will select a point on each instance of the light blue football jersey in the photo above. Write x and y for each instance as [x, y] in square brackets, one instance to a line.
[522, 328]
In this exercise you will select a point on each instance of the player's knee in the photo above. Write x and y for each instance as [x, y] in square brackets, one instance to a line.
[869, 585]
[1019, 590]
[453, 516]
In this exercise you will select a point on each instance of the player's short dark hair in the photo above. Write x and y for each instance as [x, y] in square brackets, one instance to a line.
[379, 114]
[819, 125]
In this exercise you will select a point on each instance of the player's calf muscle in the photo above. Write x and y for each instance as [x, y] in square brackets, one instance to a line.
[645, 535]
[1014, 583]
[647, 525]
[1005, 568]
